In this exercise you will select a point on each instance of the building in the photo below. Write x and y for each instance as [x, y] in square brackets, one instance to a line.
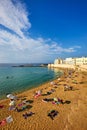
[58, 61]
[81, 61]
[72, 61]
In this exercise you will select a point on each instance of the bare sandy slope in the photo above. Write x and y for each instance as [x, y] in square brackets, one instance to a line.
[72, 114]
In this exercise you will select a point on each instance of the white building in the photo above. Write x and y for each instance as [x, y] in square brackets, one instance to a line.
[58, 61]
[72, 61]
[81, 61]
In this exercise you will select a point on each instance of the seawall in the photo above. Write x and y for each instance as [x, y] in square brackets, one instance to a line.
[78, 67]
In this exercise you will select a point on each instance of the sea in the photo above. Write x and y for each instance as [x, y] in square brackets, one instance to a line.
[18, 79]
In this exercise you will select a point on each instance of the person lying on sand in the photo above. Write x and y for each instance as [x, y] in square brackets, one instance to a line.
[8, 119]
[58, 101]
[67, 88]
[52, 114]
[47, 99]
[22, 108]
[27, 114]
[37, 93]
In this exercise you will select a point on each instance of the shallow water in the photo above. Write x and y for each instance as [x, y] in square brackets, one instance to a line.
[18, 79]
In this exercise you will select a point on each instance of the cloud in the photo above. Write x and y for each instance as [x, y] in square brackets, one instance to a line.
[14, 16]
[30, 49]
[19, 48]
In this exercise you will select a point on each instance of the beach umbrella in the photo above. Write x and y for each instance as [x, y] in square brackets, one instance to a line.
[9, 95]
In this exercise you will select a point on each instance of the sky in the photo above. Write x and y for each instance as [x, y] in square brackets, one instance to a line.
[39, 31]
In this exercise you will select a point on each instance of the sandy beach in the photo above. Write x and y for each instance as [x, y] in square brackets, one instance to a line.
[71, 113]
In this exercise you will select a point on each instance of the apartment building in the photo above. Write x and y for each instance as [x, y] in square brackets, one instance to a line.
[72, 61]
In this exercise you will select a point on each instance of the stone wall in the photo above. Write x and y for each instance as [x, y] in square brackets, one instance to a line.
[78, 67]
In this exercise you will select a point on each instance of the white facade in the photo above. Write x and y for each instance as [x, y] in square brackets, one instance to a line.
[72, 61]
[58, 61]
[81, 61]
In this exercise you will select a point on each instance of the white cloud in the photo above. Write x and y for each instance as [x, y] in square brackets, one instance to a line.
[29, 48]
[14, 16]
[23, 49]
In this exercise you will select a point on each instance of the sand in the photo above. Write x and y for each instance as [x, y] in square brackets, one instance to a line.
[72, 115]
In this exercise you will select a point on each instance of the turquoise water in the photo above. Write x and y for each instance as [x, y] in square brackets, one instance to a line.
[18, 79]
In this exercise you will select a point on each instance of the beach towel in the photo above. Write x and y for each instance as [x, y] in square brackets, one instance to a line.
[11, 108]
[1, 106]
[3, 122]
[37, 95]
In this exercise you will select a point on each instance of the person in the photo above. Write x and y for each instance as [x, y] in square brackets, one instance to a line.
[27, 114]
[39, 92]
[66, 88]
[52, 114]
[12, 104]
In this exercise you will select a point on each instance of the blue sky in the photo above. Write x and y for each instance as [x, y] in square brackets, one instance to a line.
[39, 31]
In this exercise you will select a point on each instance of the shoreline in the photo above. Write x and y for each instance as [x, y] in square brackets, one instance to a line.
[68, 113]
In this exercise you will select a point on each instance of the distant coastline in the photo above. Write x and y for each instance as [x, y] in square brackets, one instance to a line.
[23, 64]
[31, 65]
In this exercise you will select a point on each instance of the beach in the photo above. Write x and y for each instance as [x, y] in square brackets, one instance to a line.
[71, 107]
